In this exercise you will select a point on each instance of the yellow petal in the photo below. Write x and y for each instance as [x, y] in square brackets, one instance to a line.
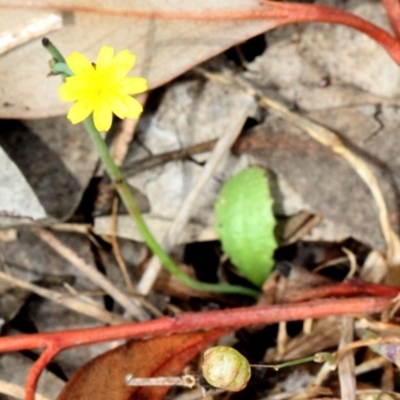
[74, 88]
[134, 85]
[102, 117]
[104, 89]
[105, 58]
[106, 78]
[79, 64]
[117, 105]
[122, 64]
[133, 106]
[66, 94]
[80, 110]
[125, 58]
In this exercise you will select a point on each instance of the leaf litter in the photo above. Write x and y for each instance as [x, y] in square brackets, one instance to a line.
[349, 109]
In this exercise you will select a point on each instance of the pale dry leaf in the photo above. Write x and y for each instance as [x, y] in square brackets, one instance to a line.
[295, 65]
[319, 177]
[67, 159]
[52, 164]
[19, 27]
[165, 48]
[321, 66]
[18, 202]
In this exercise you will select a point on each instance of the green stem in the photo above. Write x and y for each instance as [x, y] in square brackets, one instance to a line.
[133, 210]
[318, 357]
[58, 57]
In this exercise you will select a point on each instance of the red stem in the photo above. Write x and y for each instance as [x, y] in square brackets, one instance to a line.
[280, 13]
[353, 287]
[297, 13]
[192, 321]
[185, 322]
[393, 13]
[33, 377]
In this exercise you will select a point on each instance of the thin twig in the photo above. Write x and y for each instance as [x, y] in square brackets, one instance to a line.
[160, 159]
[77, 305]
[16, 391]
[92, 273]
[346, 366]
[370, 365]
[115, 246]
[188, 381]
[305, 228]
[366, 343]
[123, 139]
[71, 227]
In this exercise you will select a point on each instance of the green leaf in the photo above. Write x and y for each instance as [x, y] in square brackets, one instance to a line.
[246, 224]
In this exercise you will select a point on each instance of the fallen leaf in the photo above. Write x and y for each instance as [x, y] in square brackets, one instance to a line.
[297, 61]
[326, 182]
[360, 104]
[103, 378]
[165, 48]
[68, 176]
[52, 164]
[18, 202]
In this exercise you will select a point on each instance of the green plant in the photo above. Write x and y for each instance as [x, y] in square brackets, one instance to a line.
[246, 224]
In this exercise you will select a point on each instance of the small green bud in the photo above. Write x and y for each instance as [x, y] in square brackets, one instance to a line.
[225, 368]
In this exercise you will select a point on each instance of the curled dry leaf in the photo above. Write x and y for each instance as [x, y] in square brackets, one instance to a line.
[103, 378]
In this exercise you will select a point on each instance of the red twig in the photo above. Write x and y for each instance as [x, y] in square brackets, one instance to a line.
[351, 288]
[393, 13]
[54, 342]
[280, 13]
[31, 382]
[297, 13]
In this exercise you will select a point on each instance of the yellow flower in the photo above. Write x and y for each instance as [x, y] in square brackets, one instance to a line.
[102, 88]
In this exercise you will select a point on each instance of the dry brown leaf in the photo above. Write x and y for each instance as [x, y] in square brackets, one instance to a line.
[103, 378]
